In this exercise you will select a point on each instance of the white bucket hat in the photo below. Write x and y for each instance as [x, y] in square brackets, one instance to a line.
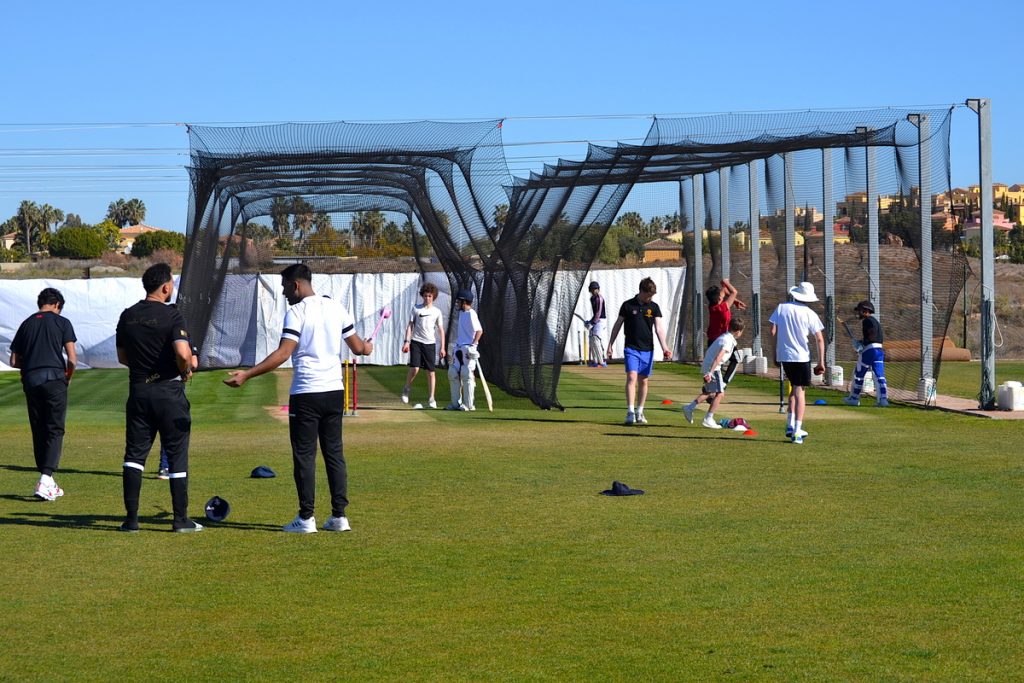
[803, 292]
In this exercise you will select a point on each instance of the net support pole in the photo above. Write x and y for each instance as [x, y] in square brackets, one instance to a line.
[697, 221]
[723, 218]
[755, 257]
[924, 187]
[790, 218]
[871, 197]
[986, 396]
[829, 257]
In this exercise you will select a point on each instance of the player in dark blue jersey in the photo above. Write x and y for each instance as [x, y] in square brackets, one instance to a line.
[870, 356]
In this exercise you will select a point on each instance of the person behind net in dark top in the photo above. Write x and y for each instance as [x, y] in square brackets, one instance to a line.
[38, 350]
[153, 341]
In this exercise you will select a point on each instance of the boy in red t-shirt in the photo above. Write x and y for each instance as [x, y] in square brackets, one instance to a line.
[721, 300]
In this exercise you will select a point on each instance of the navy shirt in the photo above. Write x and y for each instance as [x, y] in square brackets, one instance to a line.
[597, 306]
[147, 332]
[872, 330]
[638, 323]
[39, 343]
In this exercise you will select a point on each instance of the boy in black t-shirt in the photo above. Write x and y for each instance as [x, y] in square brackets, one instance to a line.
[641, 317]
[38, 349]
[153, 342]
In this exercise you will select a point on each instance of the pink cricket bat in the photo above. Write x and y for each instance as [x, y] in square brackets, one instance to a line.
[385, 313]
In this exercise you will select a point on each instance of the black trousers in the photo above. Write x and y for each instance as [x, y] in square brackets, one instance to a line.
[47, 410]
[311, 418]
[159, 408]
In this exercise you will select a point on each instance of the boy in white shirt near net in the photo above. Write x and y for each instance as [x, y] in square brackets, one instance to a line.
[421, 336]
[714, 382]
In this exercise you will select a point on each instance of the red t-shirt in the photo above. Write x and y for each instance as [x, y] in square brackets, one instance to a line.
[719, 316]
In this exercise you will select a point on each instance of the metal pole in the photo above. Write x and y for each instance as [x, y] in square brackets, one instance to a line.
[829, 256]
[924, 193]
[698, 266]
[983, 108]
[723, 219]
[755, 257]
[790, 218]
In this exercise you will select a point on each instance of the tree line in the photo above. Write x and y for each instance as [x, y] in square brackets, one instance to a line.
[47, 230]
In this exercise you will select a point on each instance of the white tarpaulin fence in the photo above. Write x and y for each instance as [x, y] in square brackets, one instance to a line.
[247, 325]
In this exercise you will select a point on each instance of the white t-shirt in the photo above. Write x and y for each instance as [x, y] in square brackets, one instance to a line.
[723, 341]
[424, 324]
[794, 322]
[469, 324]
[320, 326]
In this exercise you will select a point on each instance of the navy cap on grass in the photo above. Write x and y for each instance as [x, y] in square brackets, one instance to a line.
[620, 489]
[217, 509]
[262, 472]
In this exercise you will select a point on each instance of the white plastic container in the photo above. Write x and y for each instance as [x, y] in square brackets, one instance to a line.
[1010, 396]
[836, 375]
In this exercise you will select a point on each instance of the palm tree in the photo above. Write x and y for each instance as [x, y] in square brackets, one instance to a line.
[116, 213]
[135, 211]
[30, 221]
[51, 216]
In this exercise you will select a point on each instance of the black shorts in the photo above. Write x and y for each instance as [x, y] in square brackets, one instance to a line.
[798, 374]
[422, 355]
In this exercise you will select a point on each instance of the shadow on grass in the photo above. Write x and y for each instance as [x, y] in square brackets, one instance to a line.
[69, 470]
[112, 522]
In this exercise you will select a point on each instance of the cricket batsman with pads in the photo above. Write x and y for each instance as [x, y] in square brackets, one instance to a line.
[464, 360]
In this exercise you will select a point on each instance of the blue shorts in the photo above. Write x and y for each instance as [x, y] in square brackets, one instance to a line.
[640, 362]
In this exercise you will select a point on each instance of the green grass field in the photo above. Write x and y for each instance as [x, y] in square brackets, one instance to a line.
[887, 548]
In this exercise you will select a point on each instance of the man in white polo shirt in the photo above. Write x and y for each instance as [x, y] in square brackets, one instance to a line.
[314, 328]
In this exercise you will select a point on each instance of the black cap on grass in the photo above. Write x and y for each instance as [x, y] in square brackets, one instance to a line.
[262, 472]
[620, 489]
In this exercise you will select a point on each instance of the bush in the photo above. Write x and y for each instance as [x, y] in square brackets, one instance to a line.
[77, 243]
[172, 258]
[149, 242]
[11, 255]
[117, 259]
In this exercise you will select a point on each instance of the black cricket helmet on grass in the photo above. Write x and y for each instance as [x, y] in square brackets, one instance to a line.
[217, 509]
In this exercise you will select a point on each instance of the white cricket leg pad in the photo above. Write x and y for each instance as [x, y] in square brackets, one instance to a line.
[454, 381]
[469, 385]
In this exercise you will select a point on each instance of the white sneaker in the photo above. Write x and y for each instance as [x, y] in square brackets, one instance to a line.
[851, 401]
[48, 491]
[710, 423]
[432, 403]
[641, 419]
[468, 409]
[301, 526]
[688, 412]
[799, 434]
[405, 395]
[337, 524]
[630, 418]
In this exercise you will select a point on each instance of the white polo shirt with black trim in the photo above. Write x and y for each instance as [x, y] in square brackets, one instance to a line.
[319, 325]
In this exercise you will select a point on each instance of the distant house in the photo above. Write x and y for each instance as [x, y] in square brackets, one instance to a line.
[7, 241]
[972, 228]
[128, 235]
[662, 250]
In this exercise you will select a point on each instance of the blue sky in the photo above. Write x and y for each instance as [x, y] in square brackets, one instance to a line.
[157, 63]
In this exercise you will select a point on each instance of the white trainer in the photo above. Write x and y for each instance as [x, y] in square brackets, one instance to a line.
[405, 395]
[710, 423]
[301, 526]
[801, 433]
[432, 403]
[688, 412]
[641, 419]
[630, 418]
[337, 524]
[48, 491]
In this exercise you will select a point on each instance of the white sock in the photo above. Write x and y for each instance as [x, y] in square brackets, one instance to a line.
[791, 420]
[796, 425]
[46, 479]
[630, 409]
[711, 416]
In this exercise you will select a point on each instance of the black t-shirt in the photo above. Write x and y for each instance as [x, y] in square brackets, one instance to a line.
[638, 323]
[39, 343]
[147, 332]
[872, 330]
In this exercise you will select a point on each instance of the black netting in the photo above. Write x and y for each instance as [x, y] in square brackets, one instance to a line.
[443, 194]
